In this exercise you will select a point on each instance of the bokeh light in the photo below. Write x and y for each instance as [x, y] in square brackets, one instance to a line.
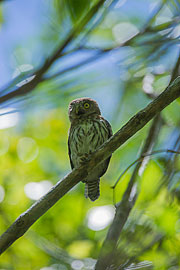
[23, 69]
[124, 31]
[20, 69]
[165, 16]
[89, 263]
[147, 83]
[27, 149]
[2, 194]
[80, 248]
[35, 190]
[100, 217]
[77, 265]
[4, 144]
[8, 118]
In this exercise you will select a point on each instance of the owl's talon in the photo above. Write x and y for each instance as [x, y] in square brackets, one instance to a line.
[84, 158]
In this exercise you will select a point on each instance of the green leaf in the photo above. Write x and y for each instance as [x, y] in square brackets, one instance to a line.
[78, 8]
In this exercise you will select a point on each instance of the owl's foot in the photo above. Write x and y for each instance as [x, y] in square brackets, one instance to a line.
[84, 158]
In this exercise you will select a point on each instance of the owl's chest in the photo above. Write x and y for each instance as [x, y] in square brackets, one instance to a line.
[83, 136]
[87, 136]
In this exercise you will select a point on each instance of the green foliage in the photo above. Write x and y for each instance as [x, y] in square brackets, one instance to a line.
[78, 8]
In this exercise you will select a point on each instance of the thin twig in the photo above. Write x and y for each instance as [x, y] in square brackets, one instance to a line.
[154, 241]
[176, 69]
[75, 66]
[140, 159]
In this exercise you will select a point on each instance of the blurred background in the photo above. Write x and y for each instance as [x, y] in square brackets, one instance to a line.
[122, 54]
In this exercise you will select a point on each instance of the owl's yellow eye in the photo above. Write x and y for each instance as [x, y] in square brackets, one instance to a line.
[86, 105]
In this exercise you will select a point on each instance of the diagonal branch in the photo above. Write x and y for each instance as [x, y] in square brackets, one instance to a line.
[137, 122]
[124, 208]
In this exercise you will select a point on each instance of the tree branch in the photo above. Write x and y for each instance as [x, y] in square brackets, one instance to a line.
[138, 121]
[124, 208]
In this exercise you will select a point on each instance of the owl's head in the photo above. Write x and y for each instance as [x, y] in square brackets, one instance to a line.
[83, 107]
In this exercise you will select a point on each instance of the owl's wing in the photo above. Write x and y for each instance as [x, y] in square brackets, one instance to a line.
[110, 133]
[109, 128]
[69, 150]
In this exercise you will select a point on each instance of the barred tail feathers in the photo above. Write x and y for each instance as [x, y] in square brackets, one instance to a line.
[92, 189]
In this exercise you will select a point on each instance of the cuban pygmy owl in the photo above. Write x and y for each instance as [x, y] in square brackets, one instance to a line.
[88, 131]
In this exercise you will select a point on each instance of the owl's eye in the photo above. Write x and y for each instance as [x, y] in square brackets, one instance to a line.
[86, 105]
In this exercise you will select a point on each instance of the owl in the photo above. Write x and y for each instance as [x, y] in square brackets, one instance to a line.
[88, 131]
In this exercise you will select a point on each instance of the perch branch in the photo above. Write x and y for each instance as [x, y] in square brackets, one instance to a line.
[124, 208]
[137, 122]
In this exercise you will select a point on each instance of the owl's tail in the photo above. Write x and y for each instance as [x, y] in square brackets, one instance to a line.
[92, 190]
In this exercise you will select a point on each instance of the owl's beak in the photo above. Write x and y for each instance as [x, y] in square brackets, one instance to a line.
[79, 111]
